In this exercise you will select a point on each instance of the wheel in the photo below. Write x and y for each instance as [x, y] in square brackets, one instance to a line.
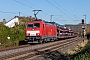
[52, 39]
[40, 41]
[45, 40]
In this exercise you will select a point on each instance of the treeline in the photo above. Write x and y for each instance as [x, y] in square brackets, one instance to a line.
[16, 33]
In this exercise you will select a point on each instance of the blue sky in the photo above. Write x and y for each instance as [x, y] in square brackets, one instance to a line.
[64, 11]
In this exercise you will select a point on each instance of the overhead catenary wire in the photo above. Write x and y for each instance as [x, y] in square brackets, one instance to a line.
[59, 9]
[65, 9]
[24, 4]
[13, 13]
[39, 7]
[23, 14]
[29, 6]
[9, 12]
[32, 7]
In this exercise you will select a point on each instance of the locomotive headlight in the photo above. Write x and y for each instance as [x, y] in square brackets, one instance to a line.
[27, 34]
[37, 34]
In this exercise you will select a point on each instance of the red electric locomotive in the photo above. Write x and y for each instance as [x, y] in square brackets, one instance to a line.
[39, 31]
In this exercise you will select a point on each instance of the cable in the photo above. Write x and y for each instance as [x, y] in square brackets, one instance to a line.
[59, 9]
[23, 13]
[38, 6]
[30, 3]
[28, 6]
[23, 4]
[8, 12]
[12, 12]
[65, 9]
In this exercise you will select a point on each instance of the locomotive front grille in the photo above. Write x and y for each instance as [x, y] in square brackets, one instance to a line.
[32, 38]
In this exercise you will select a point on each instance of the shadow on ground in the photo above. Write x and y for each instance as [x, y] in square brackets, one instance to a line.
[52, 55]
[22, 42]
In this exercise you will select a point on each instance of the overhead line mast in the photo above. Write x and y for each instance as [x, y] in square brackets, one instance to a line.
[51, 18]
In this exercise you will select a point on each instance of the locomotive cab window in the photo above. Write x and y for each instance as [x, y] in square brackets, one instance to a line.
[36, 25]
[29, 25]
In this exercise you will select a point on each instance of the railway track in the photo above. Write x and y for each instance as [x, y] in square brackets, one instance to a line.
[32, 51]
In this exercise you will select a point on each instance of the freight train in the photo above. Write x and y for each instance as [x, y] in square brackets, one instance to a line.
[40, 31]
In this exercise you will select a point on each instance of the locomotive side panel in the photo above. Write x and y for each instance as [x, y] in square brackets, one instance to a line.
[51, 32]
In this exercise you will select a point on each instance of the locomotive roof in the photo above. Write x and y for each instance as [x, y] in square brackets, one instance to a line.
[54, 23]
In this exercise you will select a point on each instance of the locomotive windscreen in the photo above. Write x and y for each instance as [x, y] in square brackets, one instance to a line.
[29, 25]
[35, 25]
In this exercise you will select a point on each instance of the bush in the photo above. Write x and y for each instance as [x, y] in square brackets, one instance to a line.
[84, 54]
[16, 34]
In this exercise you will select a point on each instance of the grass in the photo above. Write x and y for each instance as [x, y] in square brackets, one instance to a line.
[84, 54]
